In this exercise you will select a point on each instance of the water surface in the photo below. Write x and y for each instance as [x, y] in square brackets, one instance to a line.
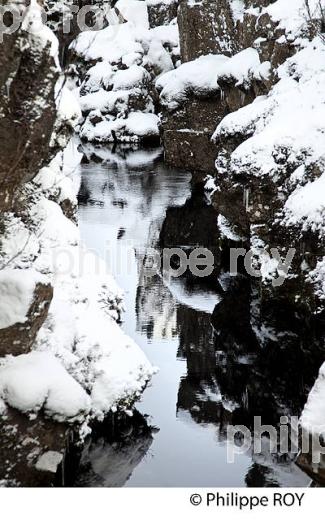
[127, 197]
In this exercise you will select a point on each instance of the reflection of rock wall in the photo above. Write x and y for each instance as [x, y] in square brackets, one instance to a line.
[113, 452]
[193, 225]
[155, 308]
[273, 356]
[234, 376]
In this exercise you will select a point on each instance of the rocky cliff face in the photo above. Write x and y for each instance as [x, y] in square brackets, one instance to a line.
[45, 370]
[243, 66]
[28, 113]
[28, 75]
[28, 108]
[117, 68]
[238, 113]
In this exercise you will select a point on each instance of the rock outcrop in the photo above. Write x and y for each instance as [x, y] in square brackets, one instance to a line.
[117, 67]
[28, 112]
[161, 12]
[59, 325]
[263, 165]
[243, 88]
[206, 27]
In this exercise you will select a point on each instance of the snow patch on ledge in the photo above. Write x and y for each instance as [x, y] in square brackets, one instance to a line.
[16, 295]
[200, 77]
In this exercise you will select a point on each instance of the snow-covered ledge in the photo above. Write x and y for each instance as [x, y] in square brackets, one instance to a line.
[82, 365]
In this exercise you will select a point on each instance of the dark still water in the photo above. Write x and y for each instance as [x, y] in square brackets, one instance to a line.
[128, 201]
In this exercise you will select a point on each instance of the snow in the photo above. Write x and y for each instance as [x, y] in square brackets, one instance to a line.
[226, 229]
[237, 7]
[283, 136]
[210, 184]
[19, 246]
[291, 16]
[306, 206]
[35, 381]
[200, 77]
[317, 277]
[135, 12]
[68, 109]
[287, 123]
[39, 34]
[159, 2]
[241, 66]
[261, 259]
[82, 330]
[166, 34]
[82, 364]
[134, 76]
[142, 124]
[196, 77]
[130, 129]
[313, 415]
[109, 44]
[128, 57]
[16, 295]
[202, 301]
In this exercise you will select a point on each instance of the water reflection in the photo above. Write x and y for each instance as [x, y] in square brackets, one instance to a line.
[223, 357]
[115, 448]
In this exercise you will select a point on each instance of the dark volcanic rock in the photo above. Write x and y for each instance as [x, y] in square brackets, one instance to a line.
[28, 112]
[187, 131]
[189, 149]
[206, 27]
[32, 452]
[19, 338]
[162, 13]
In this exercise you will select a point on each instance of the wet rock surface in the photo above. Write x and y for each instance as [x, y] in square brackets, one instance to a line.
[187, 132]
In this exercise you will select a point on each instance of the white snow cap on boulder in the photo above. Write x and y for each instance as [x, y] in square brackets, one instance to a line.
[200, 77]
[35, 381]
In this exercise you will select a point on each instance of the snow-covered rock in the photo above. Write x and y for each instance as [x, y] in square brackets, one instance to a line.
[16, 294]
[38, 381]
[92, 366]
[57, 298]
[199, 78]
[125, 60]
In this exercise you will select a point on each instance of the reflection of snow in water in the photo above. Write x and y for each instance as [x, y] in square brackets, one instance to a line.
[196, 299]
